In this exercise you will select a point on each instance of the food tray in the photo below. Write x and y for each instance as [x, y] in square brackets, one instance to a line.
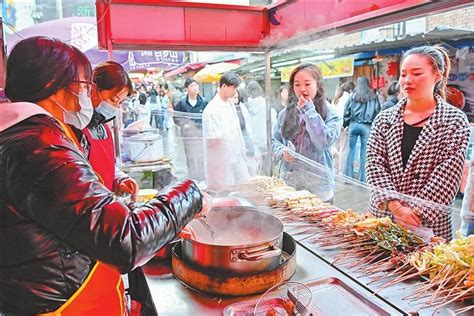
[331, 297]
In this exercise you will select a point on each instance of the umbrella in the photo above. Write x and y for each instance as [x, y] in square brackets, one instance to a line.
[81, 32]
[212, 73]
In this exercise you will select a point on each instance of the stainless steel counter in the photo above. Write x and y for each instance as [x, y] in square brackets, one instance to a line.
[394, 294]
[173, 298]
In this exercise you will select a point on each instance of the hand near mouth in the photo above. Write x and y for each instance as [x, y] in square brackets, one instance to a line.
[302, 100]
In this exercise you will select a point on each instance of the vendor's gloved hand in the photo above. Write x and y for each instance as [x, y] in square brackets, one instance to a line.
[187, 233]
[206, 205]
[406, 216]
[287, 156]
[128, 186]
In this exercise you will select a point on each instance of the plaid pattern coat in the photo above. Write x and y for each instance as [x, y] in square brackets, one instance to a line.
[433, 171]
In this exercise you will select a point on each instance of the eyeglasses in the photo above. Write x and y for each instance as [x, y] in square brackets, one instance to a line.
[88, 83]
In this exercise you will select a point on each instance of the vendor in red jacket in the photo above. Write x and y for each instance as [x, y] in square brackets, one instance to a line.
[65, 238]
[111, 86]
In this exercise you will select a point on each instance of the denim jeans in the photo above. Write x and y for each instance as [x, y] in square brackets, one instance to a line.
[357, 130]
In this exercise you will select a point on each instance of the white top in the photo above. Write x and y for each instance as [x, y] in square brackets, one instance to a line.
[224, 149]
[192, 102]
[339, 107]
[220, 120]
[257, 108]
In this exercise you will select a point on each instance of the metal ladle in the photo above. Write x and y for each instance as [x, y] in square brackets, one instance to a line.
[202, 221]
[208, 227]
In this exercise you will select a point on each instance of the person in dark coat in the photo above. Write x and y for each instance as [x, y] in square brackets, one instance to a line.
[392, 99]
[193, 102]
[72, 237]
[359, 113]
[188, 116]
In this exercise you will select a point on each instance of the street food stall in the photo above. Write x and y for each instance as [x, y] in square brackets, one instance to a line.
[350, 262]
[336, 249]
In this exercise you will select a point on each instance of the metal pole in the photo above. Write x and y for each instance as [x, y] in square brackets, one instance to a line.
[116, 123]
[3, 56]
[268, 88]
[59, 9]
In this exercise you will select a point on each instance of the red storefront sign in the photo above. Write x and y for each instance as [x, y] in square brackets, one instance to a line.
[377, 82]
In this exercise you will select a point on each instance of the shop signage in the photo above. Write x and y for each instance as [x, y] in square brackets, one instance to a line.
[461, 79]
[285, 73]
[334, 68]
[377, 82]
[148, 59]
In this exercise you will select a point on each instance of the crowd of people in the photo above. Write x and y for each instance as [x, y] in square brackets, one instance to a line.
[163, 106]
[73, 237]
[335, 135]
[411, 144]
[151, 102]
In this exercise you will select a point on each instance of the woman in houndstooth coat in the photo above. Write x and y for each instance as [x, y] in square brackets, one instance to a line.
[417, 148]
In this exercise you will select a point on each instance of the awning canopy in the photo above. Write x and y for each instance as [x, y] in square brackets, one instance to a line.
[183, 69]
[212, 73]
[81, 32]
[453, 37]
[183, 25]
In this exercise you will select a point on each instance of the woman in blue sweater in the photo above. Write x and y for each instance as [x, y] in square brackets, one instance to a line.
[307, 127]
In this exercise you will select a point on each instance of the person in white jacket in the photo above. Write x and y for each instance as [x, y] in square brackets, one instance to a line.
[343, 93]
[224, 148]
[251, 155]
[257, 106]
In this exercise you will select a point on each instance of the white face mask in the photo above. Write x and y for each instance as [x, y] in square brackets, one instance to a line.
[107, 110]
[81, 118]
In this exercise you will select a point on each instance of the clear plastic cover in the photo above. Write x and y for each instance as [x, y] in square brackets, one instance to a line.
[212, 161]
[352, 194]
[209, 158]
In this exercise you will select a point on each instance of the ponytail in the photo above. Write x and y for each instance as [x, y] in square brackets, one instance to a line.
[440, 86]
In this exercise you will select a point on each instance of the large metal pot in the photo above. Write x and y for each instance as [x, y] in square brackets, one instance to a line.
[143, 147]
[244, 240]
[235, 284]
[217, 202]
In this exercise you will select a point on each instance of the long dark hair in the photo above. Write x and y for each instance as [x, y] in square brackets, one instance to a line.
[438, 57]
[345, 87]
[254, 89]
[40, 66]
[290, 121]
[362, 91]
[241, 94]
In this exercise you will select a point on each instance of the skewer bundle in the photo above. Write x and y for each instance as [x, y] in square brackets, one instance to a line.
[376, 247]
[264, 183]
[301, 206]
[450, 272]
[388, 253]
[259, 188]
